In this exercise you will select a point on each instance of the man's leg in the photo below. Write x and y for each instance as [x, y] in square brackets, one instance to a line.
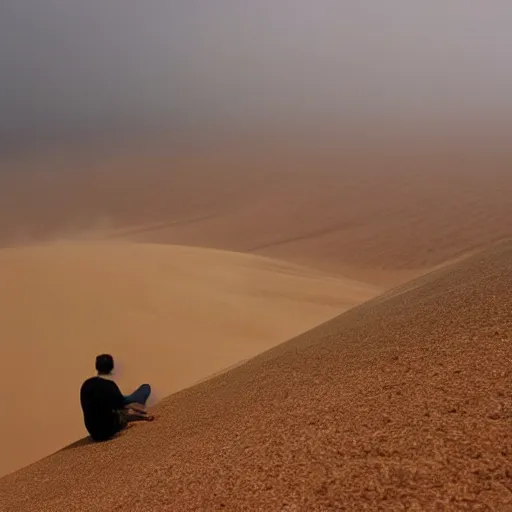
[139, 396]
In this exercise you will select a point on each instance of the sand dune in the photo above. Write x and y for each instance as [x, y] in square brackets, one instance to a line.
[171, 315]
[385, 215]
[403, 402]
[388, 405]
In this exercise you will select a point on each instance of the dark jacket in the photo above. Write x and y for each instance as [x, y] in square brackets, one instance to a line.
[102, 404]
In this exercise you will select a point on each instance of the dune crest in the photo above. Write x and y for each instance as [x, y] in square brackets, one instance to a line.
[171, 316]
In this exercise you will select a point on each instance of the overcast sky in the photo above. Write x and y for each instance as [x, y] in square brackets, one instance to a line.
[72, 65]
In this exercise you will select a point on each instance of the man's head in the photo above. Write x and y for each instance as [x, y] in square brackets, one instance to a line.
[104, 364]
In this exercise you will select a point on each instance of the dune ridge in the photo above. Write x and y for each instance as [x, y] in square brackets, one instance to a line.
[171, 316]
[388, 213]
[401, 402]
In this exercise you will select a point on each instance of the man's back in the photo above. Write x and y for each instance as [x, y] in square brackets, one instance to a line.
[100, 400]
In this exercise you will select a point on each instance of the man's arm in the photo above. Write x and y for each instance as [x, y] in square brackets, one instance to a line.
[116, 397]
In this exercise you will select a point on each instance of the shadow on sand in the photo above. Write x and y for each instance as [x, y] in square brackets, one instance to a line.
[77, 444]
[85, 441]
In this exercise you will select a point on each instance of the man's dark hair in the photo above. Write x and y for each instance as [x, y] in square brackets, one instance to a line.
[104, 364]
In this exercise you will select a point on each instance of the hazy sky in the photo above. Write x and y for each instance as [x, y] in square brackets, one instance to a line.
[71, 65]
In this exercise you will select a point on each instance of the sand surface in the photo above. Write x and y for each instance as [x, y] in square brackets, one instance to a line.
[402, 403]
[186, 263]
[170, 315]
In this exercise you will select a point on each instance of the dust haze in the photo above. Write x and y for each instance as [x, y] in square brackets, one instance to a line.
[110, 70]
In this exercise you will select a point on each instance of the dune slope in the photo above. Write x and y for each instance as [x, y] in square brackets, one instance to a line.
[171, 316]
[401, 403]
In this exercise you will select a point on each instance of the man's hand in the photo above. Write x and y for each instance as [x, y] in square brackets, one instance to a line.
[137, 409]
[139, 413]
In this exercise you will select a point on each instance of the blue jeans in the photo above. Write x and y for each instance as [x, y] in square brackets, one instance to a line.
[139, 396]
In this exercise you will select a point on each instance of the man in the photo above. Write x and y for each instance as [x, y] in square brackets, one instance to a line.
[106, 411]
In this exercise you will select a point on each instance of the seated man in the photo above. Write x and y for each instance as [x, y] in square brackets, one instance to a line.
[106, 411]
